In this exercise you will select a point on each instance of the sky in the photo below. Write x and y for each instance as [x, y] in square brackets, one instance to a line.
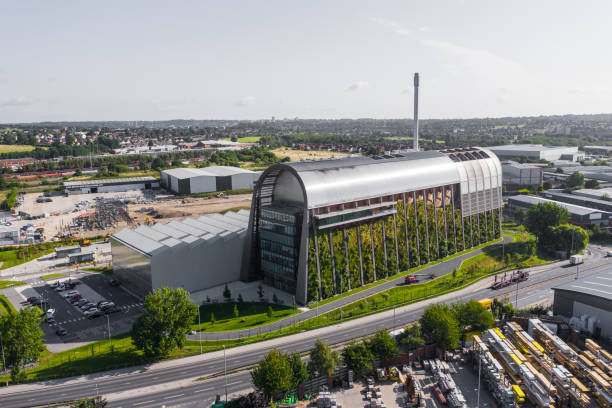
[158, 60]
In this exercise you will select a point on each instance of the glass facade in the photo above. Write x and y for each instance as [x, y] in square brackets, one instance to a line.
[131, 268]
[278, 246]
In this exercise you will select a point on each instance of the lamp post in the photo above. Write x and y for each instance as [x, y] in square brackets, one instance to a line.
[199, 329]
[109, 332]
[478, 395]
[3, 360]
[225, 372]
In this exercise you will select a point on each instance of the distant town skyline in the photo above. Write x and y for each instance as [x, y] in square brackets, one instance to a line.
[152, 60]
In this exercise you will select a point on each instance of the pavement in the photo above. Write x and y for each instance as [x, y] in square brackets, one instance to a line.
[175, 383]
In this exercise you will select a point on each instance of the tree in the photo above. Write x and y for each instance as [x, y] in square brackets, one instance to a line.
[227, 293]
[591, 183]
[382, 346]
[96, 402]
[270, 312]
[559, 170]
[78, 173]
[236, 312]
[411, 338]
[240, 299]
[260, 291]
[439, 326]
[213, 320]
[358, 357]
[544, 215]
[574, 180]
[168, 315]
[299, 370]
[322, 359]
[547, 185]
[472, 315]
[566, 237]
[274, 298]
[22, 339]
[272, 374]
[251, 400]
[158, 164]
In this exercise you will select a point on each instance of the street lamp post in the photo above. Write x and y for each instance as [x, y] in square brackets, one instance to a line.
[200, 329]
[225, 372]
[109, 332]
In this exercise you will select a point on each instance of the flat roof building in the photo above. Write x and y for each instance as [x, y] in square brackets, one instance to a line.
[578, 199]
[587, 302]
[537, 152]
[519, 175]
[320, 228]
[193, 254]
[208, 179]
[110, 185]
[63, 252]
[580, 215]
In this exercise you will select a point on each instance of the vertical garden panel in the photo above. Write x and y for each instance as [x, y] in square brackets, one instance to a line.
[313, 278]
[422, 233]
[390, 246]
[325, 263]
[340, 262]
[353, 257]
[459, 224]
[366, 253]
[402, 244]
[413, 253]
[379, 253]
[432, 232]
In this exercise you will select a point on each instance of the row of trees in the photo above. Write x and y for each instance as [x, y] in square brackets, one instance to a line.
[549, 223]
[355, 256]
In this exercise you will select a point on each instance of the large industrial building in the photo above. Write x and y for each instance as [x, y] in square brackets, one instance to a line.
[208, 179]
[193, 254]
[111, 185]
[578, 199]
[579, 215]
[519, 175]
[587, 302]
[537, 152]
[321, 228]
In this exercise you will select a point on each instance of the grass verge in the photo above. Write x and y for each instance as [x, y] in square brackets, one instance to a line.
[52, 276]
[251, 314]
[5, 306]
[10, 284]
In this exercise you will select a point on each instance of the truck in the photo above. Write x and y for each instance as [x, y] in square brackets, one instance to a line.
[576, 259]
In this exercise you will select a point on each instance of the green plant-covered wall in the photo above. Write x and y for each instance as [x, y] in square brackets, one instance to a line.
[437, 231]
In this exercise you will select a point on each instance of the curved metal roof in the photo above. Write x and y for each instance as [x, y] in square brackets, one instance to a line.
[328, 182]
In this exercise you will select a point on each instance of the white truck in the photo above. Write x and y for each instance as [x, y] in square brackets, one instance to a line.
[576, 259]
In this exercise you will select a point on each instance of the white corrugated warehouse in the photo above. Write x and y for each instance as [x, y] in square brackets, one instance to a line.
[537, 152]
[193, 254]
[207, 180]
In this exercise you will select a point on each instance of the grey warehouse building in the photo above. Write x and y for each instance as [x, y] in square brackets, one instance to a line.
[537, 152]
[193, 254]
[111, 185]
[579, 215]
[208, 179]
[587, 303]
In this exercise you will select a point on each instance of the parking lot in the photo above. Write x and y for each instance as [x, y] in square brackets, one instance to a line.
[95, 288]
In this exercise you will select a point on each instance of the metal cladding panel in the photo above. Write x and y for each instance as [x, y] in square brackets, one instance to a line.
[374, 179]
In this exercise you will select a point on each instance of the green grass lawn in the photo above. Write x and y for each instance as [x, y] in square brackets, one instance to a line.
[252, 314]
[5, 306]
[10, 284]
[26, 253]
[100, 269]
[4, 148]
[52, 276]
[247, 139]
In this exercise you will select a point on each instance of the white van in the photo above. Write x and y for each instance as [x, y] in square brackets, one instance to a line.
[576, 259]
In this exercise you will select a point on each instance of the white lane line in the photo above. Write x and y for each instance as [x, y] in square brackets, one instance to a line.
[174, 396]
[235, 382]
[204, 390]
[144, 402]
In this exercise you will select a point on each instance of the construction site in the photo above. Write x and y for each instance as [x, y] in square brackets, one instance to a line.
[519, 364]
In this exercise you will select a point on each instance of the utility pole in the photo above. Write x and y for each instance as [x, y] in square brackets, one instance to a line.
[200, 329]
[225, 372]
[3, 360]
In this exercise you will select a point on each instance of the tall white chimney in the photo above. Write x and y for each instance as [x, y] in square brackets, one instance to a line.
[415, 132]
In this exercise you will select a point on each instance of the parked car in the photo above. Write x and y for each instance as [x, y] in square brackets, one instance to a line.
[82, 302]
[101, 302]
[114, 282]
[50, 313]
[91, 311]
[61, 331]
[88, 306]
[50, 320]
[94, 313]
[60, 288]
[70, 294]
[106, 305]
[55, 284]
[36, 302]
[32, 298]
[76, 299]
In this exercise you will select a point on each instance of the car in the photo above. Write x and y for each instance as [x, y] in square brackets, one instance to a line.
[55, 284]
[61, 331]
[106, 305]
[50, 313]
[112, 310]
[70, 294]
[87, 306]
[51, 320]
[91, 311]
[94, 313]
[76, 299]
[192, 332]
[32, 298]
[36, 302]
[114, 282]
[410, 279]
[82, 302]
[102, 302]
[60, 288]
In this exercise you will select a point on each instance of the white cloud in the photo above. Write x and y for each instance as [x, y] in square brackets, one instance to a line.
[244, 101]
[16, 102]
[356, 86]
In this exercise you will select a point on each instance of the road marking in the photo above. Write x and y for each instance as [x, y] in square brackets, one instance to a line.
[204, 390]
[235, 382]
[174, 396]
[144, 402]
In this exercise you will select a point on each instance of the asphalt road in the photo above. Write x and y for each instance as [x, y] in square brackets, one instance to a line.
[200, 392]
